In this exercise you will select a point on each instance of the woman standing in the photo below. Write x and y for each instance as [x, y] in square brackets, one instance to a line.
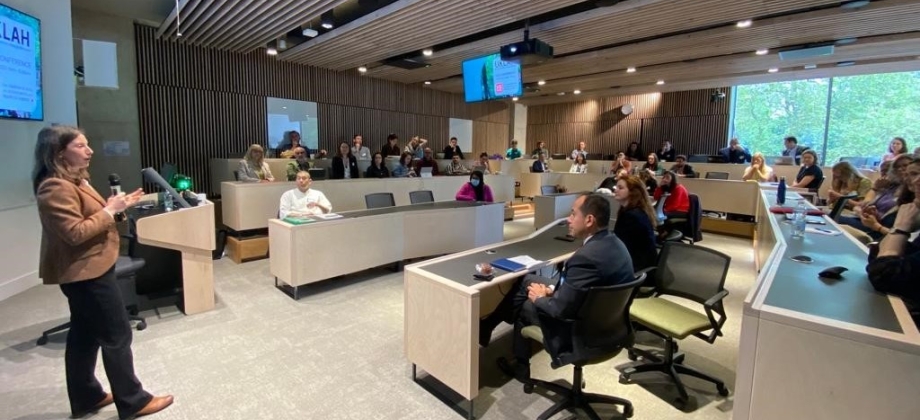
[475, 190]
[79, 250]
[758, 171]
[253, 167]
[344, 164]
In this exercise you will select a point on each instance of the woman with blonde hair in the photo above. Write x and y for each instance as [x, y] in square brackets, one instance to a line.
[847, 179]
[758, 171]
[636, 221]
[253, 167]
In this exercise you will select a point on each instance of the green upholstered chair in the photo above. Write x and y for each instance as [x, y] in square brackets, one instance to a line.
[600, 332]
[696, 275]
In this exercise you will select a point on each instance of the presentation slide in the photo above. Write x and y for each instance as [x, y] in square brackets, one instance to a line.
[490, 77]
[20, 65]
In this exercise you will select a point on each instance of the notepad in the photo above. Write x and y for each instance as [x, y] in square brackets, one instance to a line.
[515, 264]
[298, 220]
[328, 216]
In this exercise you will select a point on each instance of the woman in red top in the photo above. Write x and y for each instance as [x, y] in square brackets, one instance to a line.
[677, 205]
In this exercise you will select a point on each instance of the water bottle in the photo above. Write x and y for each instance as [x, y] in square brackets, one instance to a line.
[781, 192]
[167, 201]
[798, 220]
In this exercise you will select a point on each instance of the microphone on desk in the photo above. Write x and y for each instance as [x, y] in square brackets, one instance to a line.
[115, 188]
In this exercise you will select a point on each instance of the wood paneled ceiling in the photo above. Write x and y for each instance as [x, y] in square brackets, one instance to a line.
[689, 44]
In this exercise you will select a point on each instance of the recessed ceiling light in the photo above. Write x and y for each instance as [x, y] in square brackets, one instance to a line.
[284, 107]
[309, 32]
[542, 82]
[762, 51]
[744, 23]
[630, 69]
[271, 51]
[282, 44]
[810, 66]
[427, 52]
[577, 92]
[362, 69]
[773, 70]
[660, 82]
[428, 82]
[854, 4]
[327, 25]
[515, 99]
[846, 63]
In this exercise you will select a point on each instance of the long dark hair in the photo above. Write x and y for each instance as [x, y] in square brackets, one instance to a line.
[481, 189]
[51, 143]
[905, 194]
[339, 151]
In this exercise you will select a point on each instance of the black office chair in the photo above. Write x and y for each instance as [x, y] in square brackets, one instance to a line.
[691, 226]
[236, 175]
[379, 200]
[126, 268]
[717, 175]
[558, 156]
[421, 196]
[694, 274]
[317, 174]
[593, 156]
[600, 332]
[548, 189]
[839, 205]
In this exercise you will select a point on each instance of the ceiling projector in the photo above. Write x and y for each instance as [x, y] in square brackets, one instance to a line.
[528, 51]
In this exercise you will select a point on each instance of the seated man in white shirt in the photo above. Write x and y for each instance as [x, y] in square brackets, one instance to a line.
[303, 201]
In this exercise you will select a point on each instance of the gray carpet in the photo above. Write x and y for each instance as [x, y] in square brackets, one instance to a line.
[335, 353]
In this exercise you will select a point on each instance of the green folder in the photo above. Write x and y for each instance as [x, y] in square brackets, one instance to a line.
[298, 220]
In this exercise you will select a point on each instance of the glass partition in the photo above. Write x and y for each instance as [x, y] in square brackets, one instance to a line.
[287, 115]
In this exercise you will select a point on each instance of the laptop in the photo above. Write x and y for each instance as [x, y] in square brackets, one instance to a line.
[425, 172]
[784, 160]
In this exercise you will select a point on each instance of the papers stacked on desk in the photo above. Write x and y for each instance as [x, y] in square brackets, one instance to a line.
[328, 216]
[515, 264]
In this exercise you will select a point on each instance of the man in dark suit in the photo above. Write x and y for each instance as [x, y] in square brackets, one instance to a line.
[601, 261]
[539, 165]
[792, 149]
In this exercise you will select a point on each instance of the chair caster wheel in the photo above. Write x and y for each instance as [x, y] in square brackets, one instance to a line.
[528, 388]
[624, 378]
[628, 411]
[632, 356]
[679, 359]
[141, 326]
[723, 391]
[41, 341]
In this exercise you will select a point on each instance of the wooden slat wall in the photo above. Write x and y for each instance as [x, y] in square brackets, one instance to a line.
[198, 103]
[690, 120]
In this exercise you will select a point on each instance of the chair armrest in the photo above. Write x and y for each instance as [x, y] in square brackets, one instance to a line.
[715, 298]
[714, 304]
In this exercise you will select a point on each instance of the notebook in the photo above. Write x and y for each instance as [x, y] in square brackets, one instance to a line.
[514, 264]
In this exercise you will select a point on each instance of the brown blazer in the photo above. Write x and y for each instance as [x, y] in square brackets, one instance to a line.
[79, 238]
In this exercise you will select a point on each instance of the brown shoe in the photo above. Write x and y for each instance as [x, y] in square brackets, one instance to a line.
[106, 401]
[155, 405]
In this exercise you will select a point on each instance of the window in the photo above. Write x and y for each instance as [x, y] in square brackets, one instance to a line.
[862, 114]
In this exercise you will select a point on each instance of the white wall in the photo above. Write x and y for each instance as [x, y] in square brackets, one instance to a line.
[19, 224]
[520, 128]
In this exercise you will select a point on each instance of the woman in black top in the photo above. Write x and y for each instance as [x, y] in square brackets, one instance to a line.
[377, 168]
[633, 152]
[635, 224]
[344, 159]
[810, 175]
[391, 148]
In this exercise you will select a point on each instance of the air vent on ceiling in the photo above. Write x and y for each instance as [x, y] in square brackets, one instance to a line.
[408, 63]
[807, 52]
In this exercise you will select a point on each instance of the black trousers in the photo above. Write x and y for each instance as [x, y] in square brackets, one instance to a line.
[516, 309]
[98, 319]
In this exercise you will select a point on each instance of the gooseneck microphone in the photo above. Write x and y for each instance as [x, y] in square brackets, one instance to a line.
[115, 188]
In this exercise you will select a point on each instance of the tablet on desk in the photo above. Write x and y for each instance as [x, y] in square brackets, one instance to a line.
[425, 172]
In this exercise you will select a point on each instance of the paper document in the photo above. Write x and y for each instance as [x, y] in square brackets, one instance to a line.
[328, 216]
[525, 260]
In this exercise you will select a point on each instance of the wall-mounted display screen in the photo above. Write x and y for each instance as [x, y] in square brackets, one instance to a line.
[20, 65]
[489, 77]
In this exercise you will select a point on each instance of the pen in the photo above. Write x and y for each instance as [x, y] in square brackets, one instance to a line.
[824, 230]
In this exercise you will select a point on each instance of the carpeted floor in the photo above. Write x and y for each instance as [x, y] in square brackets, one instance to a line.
[335, 353]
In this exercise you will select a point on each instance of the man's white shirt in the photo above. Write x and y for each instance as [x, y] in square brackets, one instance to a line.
[296, 201]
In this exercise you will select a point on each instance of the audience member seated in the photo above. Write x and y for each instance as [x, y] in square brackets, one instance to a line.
[303, 201]
[579, 166]
[344, 164]
[810, 175]
[735, 152]
[608, 186]
[427, 161]
[681, 168]
[895, 269]
[846, 179]
[300, 163]
[453, 150]
[621, 162]
[636, 222]
[897, 147]
[404, 169]
[759, 171]
[666, 153]
[677, 205]
[253, 167]
[651, 184]
[652, 166]
[513, 152]
[540, 165]
[475, 190]
[357, 150]
[579, 151]
[540, 150]
[484, 163]
[455, 167]
[634, 153]
[792, 148]
[876, 214]
[416, 147]
[289, 142]
[377, 169]
[392, 146]
[603, 260]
